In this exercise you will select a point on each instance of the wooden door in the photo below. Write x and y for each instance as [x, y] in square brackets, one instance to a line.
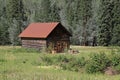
[58, 46]
[61, 46]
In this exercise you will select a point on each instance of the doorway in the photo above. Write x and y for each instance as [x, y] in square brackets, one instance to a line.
[61, 46]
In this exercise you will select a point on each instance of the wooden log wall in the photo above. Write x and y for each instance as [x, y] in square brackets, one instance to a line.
[59, 40]
[37, 44]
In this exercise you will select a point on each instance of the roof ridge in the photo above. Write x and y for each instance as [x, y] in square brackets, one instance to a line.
[44, 22]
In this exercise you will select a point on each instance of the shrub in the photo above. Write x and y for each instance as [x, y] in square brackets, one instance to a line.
[92, 67]
[78, 62]
[81, 62]
[66, 62]
[63, 58]
[73, 64]
[46, 59]
[117, 67]
[115, 59]
[97, 63]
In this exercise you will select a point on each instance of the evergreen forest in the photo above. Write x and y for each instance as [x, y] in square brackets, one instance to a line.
[91, 22]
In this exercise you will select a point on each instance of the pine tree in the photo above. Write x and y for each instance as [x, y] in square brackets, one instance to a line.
[105, 28]
[15, 10]
[86, 16]
[15, 15]
[116, 23]
[78, 14]
[48, 12]
[54, 13]
[93, 23]
[72, 17]
[4, 37]
[43, 14]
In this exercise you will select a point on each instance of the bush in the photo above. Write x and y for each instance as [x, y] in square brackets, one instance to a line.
[97, 63]
[115, 59]
[92, 67]
[47, 60]
[74, 64]
[66, 62]
[117, 67]
[63, 58]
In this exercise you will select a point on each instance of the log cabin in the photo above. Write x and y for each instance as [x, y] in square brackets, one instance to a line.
[52, 36]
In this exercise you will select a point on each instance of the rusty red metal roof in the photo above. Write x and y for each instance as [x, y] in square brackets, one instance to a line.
[38, 30]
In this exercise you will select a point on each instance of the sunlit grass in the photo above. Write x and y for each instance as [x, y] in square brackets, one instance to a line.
[84, 49]
[19, 64]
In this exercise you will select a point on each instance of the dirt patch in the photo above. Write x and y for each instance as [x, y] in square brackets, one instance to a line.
[111, 71]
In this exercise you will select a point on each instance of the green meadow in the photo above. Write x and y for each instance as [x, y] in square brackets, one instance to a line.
[17, 63]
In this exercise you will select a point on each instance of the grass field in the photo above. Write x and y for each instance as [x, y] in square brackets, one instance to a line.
[19, 64]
